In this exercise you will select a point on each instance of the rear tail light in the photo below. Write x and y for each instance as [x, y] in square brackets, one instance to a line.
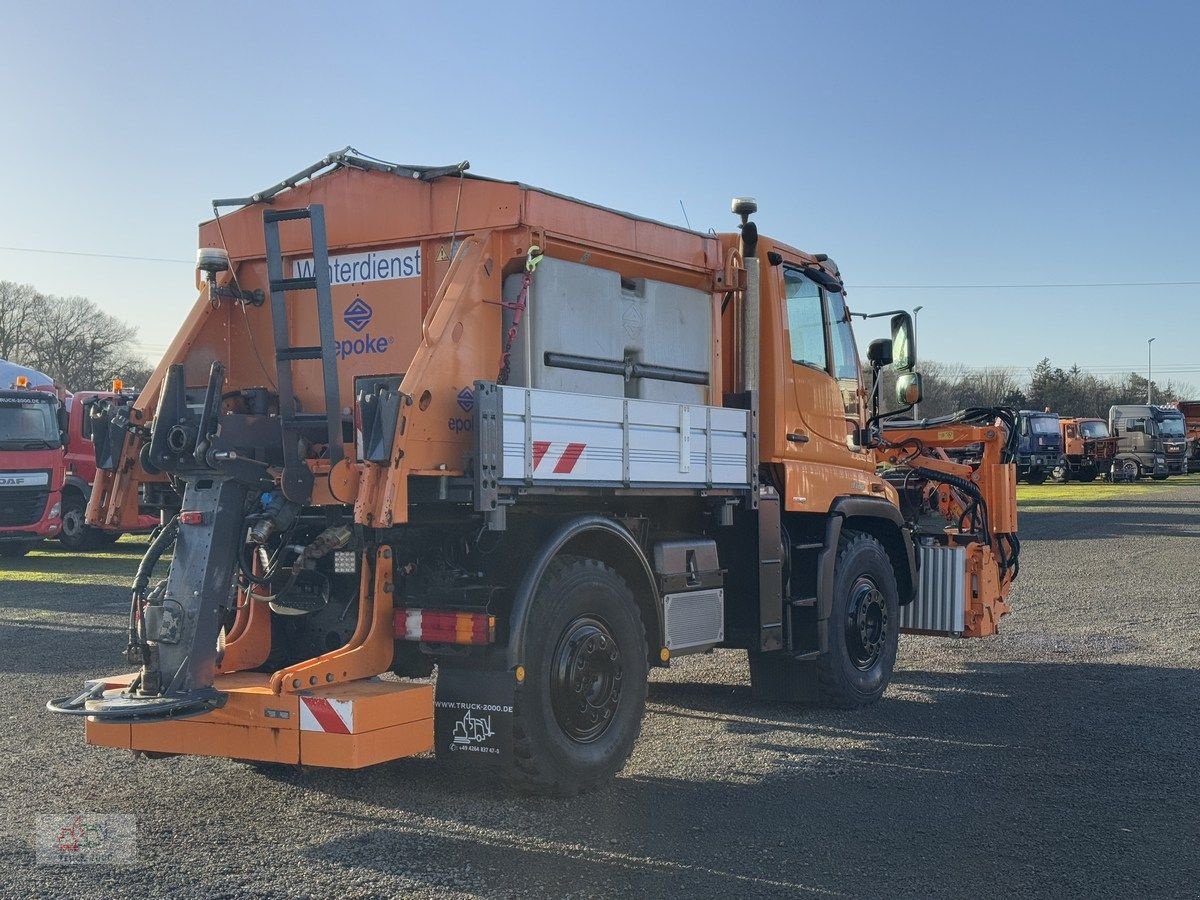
[191, 517]
[438, 626]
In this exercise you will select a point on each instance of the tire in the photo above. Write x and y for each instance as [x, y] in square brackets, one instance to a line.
[105, 538]
[1159, 477]
[866, 605]
[1061, 473]
[573, 735]
[1088, 475]
[15, 549]
[841, 678]
[1038, 477]
[1130, 469]
[76, 534]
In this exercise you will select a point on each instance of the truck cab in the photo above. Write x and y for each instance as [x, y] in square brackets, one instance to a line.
[1088, 449]
[32, 426]
[1039, 446]
[1151, 440]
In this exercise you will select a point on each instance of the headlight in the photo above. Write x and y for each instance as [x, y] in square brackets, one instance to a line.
[55, 510]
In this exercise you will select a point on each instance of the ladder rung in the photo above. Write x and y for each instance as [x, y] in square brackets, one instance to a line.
[803, 602]
[285, 215]
[305, 419]
[283, 354]
[809, 546]
[293, 284]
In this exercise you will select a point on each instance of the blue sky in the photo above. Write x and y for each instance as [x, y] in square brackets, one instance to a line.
[917, 143]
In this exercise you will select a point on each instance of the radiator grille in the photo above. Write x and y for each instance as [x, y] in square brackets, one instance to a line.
[941, 595]
[21, 507]
[694, 619]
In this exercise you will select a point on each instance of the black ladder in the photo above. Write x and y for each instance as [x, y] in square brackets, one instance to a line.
[297, 477]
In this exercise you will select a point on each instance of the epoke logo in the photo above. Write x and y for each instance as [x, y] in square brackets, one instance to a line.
[466, 400]
[358, 314]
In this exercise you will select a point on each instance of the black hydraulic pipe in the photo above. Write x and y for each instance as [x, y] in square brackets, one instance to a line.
[624, 368]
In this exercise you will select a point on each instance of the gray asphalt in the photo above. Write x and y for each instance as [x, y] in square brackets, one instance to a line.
[1056, 760]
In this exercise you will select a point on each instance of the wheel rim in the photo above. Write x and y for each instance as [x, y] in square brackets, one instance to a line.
[72, 522]
[586, 688]
[866, 623]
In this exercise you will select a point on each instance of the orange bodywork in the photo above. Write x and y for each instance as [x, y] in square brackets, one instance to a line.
[1075, 445]
[347, 726]
[439, 326]
[987, 589]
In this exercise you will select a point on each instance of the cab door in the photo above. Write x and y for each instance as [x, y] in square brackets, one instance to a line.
[821, 361]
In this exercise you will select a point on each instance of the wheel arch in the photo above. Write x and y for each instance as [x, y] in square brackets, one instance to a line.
[73, 483]
[884, 522]
[595, 537]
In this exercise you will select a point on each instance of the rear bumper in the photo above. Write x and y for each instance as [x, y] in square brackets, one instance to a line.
[344, 726]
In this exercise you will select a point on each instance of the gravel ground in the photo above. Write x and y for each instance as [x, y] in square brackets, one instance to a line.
[1058, 759]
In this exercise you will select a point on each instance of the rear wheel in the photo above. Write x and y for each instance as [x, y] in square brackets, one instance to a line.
[1131, 470]
[1061, 473]
[1036, 477]
[1087, 475]
[579, 711]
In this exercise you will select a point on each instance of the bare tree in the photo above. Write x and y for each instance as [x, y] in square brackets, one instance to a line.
[21, 307]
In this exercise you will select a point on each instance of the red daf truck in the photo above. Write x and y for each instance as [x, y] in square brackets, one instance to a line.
[32, 433]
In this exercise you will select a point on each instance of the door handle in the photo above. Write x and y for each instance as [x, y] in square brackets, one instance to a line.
[797, 438]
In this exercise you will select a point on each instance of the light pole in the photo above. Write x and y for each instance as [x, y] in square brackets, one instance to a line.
[1149, 373]
[917, 405]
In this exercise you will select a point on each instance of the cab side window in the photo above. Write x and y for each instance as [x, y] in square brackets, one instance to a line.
[806, 320]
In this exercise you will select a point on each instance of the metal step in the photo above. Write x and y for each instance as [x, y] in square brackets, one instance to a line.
[293, 353]
[284, 215]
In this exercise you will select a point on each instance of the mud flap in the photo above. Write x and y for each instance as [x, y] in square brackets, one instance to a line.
[473, 715]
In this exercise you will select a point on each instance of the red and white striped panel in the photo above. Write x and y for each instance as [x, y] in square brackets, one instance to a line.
[329, 716]
[558, 458]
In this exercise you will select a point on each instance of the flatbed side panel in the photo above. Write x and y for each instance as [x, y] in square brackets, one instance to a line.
[552, 437]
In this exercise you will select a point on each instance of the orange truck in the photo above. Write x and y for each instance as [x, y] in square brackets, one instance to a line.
[1088, 450]
[421, 419]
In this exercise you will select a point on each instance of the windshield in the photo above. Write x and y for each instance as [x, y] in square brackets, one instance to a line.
[1170, 427]
[1093, 430]
[27, 424]
[1043, 425]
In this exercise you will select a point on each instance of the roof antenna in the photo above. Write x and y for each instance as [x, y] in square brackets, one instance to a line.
[685, 218]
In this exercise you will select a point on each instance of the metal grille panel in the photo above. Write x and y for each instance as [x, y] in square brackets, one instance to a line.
[941, 595]
[695, 619]
[21, 507]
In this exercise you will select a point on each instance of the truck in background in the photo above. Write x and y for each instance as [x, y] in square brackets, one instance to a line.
[80, 471]
[32, 432]
[1088, 449]
[1191, 421]
[1039, 445]
[1151, 440]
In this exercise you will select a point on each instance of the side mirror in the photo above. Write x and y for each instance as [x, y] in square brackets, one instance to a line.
[63, 425]
[904, 346]
[879, 353]
[908, 389]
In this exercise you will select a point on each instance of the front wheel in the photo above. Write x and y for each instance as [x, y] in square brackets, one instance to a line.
[1061, 473]
[580, 709]
[1038, 477]
[76, 534]
[864, 625]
